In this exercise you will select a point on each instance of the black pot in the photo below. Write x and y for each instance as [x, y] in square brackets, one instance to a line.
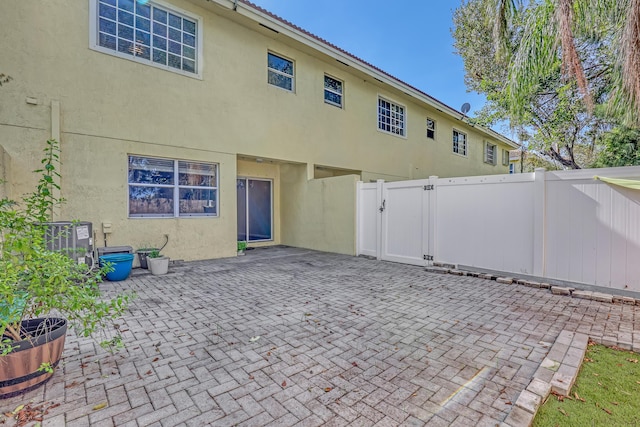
[21, 367]
[142, 257]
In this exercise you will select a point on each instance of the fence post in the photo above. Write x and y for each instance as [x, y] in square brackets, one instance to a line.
[358, 212]
[539, 223]
[433, 219]
[379, 203]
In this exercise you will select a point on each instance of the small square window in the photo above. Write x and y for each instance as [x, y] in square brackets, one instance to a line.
[459, 143]
[280, 72]
[332, 91]
[431, 128]
[490, 153]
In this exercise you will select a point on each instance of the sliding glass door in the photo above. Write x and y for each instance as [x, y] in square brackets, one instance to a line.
[255, 209]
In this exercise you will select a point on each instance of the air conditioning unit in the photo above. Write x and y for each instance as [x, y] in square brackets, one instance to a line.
[74, 239]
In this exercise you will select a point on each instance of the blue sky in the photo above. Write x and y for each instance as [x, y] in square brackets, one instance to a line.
[409, 39]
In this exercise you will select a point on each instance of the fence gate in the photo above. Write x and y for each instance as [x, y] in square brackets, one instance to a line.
[405, 222]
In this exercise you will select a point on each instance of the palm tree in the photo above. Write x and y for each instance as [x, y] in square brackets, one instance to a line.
[553, 28]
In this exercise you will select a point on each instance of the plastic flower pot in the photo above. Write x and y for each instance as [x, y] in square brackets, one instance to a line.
[121, 264]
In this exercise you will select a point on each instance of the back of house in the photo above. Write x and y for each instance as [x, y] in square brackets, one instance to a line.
[213, 121]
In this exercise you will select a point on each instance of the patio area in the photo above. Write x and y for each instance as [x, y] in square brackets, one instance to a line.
[286, 336]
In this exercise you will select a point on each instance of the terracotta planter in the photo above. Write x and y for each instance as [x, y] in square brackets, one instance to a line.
[20, 369]
[159, 265]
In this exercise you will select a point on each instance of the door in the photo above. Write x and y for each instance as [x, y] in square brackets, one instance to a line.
[405, 222]
[255, 209]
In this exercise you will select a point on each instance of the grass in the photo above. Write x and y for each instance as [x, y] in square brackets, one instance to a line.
[606, 392]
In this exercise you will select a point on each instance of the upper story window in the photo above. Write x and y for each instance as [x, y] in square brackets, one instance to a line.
[490, 153]
[147, 32]
[391, 117]
[280, 72]
[172, 188]
[505, 157]
[332, 91]
[459, 143]
[431, 128]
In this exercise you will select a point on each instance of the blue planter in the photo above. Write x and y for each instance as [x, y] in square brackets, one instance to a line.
[121, 264]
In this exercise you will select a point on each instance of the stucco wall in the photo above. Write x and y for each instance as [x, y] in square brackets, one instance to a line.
[111, 107]
[99, 194]
[320, 213]
[232, 109]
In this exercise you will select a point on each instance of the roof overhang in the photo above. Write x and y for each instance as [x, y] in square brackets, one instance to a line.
[243, 11]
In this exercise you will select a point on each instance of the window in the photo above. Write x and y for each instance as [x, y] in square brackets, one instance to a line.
[431, 128]
[512, 168]
[505, 157]
[390, 117]
[280, 72]
[146, 32]
[332, 91]
[459, 143]
[490, 153]
[172, 188]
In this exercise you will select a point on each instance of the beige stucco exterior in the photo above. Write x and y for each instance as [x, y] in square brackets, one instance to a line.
[103, 108]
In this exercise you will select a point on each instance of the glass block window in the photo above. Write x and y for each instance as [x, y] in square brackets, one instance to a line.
[459, 143]
[148, 33]
[490, 153]
[332, 91]
[390, 117]
[172, 188]
[280, 72]
[431, 128]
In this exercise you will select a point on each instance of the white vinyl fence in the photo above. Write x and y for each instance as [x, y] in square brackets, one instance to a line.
[561, 225]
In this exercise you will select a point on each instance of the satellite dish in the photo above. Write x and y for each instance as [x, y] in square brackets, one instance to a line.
[465, 108]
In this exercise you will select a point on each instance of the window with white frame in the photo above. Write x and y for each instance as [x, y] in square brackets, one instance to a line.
[505, 157]
[172, 188]
[512, 168]
[147, 32]
[390, 117]
[459, 143]
[431, 128]
[490, 154]
[332, 91]
[280, 72]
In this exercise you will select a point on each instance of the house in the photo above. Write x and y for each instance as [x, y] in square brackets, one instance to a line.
[515, 160]
[212, 121]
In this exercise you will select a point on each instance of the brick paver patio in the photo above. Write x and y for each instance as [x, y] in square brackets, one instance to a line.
[288, 336]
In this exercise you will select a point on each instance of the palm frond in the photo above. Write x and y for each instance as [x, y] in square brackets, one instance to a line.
[571, 63]
[535, 59]
[504, 11]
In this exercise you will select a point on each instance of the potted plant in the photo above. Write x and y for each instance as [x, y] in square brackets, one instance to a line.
[242, 246]
[145, 250]
[158, 264]
[143, 253]
[42, 292]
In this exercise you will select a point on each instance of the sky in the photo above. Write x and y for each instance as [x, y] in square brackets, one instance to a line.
[409, 39]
